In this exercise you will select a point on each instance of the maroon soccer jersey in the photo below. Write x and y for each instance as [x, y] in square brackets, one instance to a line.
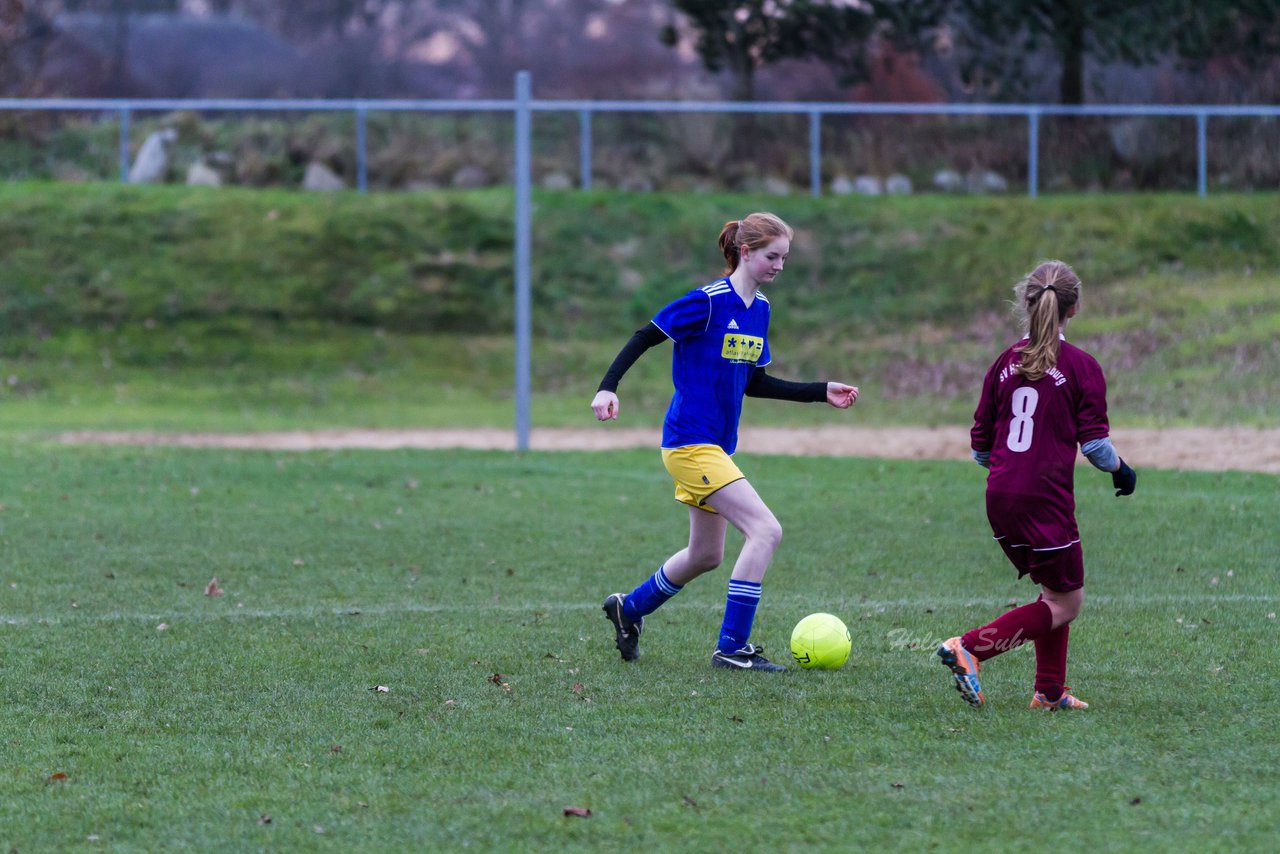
[1032, 431]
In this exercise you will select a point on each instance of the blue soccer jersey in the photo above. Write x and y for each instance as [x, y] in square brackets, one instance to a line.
[719, 342]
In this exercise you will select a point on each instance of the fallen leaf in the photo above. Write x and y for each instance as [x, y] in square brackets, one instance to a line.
[897, 785]
[380, 689]
[689, 801]
[578, 688]
[735, 719]
[212, 588]
[1135, 802]
[162, 627]
[496, 679]
[337, 748]
[56, 776]
[581, 812]
[264, 819]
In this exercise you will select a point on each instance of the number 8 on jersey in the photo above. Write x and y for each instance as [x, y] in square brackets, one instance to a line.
[1021, 427]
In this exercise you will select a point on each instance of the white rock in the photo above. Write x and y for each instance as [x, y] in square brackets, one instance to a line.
[842, 185]
[152, 162]
[948, 180]
[321, 178]
[985, 181]
[201, 174]
[868, 185]
[557, 181]
[897, 185]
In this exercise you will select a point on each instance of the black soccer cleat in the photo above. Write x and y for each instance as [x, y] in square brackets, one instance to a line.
[627, 631]
[746, 657]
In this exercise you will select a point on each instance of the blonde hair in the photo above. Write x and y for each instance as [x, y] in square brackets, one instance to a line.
[754, 230]
[1042, 301]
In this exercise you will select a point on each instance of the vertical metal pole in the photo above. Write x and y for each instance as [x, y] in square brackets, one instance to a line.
[1033, 154]
[1202, 145]
[524, 181]
[815, 153]
[584, 148]
[124, 145]
[362, 160]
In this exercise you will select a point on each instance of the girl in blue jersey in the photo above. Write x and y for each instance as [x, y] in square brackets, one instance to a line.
[720, 334]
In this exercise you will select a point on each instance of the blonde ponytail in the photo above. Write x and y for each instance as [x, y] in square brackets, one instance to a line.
[1043, 299]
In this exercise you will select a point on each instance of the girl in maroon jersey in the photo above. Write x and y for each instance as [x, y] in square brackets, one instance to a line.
[1041, 399]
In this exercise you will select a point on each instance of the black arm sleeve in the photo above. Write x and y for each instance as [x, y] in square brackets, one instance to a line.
[649, 336]
[763, 385]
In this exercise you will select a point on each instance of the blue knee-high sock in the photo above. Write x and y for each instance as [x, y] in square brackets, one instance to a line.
[650, 595]
[739, 614]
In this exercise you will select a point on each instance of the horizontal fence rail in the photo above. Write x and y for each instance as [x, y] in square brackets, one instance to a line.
[360, 108]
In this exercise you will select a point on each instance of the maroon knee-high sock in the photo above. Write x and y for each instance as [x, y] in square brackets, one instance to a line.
[1051, 662]
[1010, 629]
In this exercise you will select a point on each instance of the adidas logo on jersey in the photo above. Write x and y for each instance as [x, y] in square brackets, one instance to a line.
[733, 324]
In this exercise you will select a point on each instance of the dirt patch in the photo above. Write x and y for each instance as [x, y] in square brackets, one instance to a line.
[1196, 448]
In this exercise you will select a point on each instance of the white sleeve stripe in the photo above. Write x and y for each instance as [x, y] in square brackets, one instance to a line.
[663, 331]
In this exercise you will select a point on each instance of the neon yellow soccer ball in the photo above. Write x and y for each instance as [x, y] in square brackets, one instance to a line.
[821, 642]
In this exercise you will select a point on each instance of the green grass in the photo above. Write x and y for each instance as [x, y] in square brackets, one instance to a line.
[175, 308]
[469, 584]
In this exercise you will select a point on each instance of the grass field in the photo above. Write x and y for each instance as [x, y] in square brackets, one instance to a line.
[144, 715]
[176, 308]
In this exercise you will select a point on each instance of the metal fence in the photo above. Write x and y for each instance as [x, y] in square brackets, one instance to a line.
[523, 105]
[126, 109]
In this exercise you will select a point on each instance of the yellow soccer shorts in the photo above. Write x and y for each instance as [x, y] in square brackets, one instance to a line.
[699, 470]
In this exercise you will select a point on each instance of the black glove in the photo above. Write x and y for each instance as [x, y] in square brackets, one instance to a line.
[1124, 479]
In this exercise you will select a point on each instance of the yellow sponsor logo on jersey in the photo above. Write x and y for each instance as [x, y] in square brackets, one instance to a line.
[742, 348]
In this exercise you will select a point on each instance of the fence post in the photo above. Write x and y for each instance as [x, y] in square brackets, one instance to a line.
[1033, 153]
[523, 181]
[124, 145]
[362, 172]
[1202, 166]
[584, 148]
[815, 153]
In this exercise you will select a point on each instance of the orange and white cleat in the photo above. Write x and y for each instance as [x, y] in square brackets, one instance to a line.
[1067, 701]
[965, 669]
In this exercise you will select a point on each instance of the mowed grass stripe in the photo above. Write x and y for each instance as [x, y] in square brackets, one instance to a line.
[836, 603]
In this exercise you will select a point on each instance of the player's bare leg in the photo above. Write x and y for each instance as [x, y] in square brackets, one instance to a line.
[1064, 606]
[741, 505]
[743, 508]
[705, 551]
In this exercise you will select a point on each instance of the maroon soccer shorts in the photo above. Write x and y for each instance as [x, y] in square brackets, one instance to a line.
[1061, 569]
